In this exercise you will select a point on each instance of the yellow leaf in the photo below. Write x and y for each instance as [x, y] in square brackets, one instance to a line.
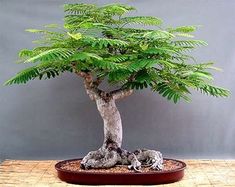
[76, 36]
[144, 46]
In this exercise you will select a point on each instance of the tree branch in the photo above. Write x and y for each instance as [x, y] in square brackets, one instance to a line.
[121, 93]
[95, 93]
[91, 87]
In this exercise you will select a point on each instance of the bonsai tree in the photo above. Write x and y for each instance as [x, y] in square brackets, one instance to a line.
[99, 43]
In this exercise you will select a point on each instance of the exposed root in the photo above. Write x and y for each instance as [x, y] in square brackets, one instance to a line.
[109, 157]
[150, 157]
[134, 163]
[99, 159]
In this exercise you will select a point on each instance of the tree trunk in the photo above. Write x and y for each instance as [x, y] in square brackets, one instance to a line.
[112, 123]
[111, 152]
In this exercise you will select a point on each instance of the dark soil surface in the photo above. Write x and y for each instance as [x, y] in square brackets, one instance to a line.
[75, 167]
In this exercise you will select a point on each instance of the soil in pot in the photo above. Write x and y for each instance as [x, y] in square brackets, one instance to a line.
[74, 166]
[71, 172]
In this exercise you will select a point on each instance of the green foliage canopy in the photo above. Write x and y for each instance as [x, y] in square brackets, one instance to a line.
[109, 44]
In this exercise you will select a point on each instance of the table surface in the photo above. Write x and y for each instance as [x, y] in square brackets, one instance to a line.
[199, 173]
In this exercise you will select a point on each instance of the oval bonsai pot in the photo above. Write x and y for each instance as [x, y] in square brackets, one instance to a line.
[108, 178]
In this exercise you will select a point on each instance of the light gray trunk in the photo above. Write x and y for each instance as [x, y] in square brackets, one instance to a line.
[111, 152]
[112, 123]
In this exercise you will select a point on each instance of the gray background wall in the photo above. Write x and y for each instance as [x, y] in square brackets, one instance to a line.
[55, 119]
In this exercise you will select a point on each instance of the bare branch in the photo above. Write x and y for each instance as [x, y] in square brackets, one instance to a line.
[121, 93]
[91, 90]
[91, 87]
[95, 93]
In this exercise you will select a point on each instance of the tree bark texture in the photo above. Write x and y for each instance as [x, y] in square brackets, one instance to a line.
[111, 153]
[112, 123]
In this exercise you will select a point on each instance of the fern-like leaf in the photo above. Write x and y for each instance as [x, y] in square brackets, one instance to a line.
[144, 20]
[141, 64]
[101, 41]
[158, 34]
[81, 56]
[107, 65]
[214, 90]
[183, 29]
[52, 55]
[172, 92]
[104, 42]
[79, 8]
[116, 9]
[120, 75]
[23, 76]
[190, 43]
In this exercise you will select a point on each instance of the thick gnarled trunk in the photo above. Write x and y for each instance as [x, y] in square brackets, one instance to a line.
[111, 152]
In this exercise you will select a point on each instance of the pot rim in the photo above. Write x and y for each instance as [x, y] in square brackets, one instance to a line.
[58, 168]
